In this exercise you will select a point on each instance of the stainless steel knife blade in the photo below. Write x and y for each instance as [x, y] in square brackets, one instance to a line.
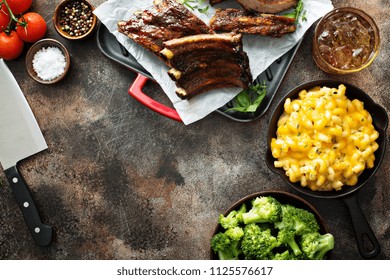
[20, 138]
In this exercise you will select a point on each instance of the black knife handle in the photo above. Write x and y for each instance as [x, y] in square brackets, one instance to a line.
[42, 234]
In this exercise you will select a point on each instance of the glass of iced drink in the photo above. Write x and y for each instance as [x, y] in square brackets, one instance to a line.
[346, 40]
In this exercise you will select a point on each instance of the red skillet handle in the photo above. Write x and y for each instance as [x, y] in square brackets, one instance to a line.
[135, 91]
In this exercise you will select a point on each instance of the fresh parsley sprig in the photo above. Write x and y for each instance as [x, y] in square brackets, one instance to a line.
[247, 101]
[298, 12]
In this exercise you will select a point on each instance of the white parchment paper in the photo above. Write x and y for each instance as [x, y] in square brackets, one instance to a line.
[262, 51]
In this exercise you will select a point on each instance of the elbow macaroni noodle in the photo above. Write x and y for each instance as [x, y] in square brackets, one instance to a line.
[324, 140]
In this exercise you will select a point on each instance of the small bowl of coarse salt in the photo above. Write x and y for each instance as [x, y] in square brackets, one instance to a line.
[47, 61]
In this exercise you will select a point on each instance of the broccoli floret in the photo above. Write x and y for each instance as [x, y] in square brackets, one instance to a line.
[305, 221]
[295, 222]
[235, 233]
[229, 221]
[228, 244]
[286, 236]
[233, 219]
[257, 243]
[221, 243]
[286, 255]
[300, 219]
[315, 246]
[264, 209]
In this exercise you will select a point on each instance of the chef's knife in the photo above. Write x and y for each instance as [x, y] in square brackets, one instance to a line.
[20, 137]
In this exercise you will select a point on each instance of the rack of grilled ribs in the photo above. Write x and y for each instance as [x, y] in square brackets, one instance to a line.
[199, 59]
[207, 61]
[167, 20]
[235, 20]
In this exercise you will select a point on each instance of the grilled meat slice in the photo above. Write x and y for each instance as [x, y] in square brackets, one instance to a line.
[235, 20]
[167, 20]
[208, 61]
[267, 6]
[177, 18]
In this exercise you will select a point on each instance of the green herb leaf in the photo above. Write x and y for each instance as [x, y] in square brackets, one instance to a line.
[243, 99]
[203, 10]
[195, 4]
[260, 97]
[298, 13]
[238, 109]
[247, 101]
[303, 16]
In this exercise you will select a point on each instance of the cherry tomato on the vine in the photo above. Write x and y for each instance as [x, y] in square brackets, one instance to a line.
[19, 6]
[31, 27]
[4, 18]
[11, 46]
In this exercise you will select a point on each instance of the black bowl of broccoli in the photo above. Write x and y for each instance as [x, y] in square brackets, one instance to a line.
[271, 225]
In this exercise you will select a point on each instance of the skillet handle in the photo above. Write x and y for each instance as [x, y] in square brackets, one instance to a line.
[135, 91]
[368, 244]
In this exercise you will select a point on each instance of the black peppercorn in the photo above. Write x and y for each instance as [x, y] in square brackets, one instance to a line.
[76, 18]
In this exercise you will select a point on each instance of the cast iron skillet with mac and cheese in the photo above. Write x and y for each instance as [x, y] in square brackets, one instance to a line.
[348, 194]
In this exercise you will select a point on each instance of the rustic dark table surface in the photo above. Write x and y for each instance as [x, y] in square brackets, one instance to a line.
[119, 181]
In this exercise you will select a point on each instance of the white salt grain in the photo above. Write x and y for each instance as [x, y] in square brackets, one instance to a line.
[49, 63]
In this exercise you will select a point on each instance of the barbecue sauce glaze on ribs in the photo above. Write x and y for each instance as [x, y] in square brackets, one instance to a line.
[200, 60]
[207, 61]
[167, 20]
[240, 21]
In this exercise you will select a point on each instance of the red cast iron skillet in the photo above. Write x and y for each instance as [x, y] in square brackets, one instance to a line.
[367, 243]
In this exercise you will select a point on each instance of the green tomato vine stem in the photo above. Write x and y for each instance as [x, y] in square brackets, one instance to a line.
[12, 19]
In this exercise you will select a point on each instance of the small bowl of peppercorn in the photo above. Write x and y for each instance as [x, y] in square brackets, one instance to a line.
[74, 19]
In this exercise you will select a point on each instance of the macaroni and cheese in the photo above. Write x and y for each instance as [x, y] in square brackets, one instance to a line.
[324, 140]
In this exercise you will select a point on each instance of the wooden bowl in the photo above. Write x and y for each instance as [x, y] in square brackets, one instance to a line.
[284, 198]
[57, 18]
[41, 45]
